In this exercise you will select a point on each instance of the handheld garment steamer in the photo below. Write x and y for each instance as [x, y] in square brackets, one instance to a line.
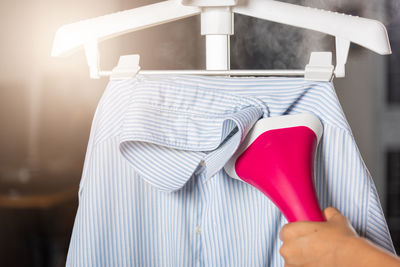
[277, 157]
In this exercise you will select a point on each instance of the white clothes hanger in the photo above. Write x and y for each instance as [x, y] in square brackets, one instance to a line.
[217, 25]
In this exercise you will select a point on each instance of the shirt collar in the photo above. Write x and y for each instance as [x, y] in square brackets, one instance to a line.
[169, 132]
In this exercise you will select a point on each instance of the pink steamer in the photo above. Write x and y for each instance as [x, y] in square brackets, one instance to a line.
[277, 157]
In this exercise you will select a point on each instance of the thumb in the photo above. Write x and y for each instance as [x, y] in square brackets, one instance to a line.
[330, 212]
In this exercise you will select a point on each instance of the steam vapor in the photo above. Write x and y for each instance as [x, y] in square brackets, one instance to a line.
[259, 44]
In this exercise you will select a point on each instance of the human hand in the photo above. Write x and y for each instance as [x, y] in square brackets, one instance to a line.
[317, 244]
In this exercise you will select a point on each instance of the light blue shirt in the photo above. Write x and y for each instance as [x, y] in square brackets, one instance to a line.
[154, 192]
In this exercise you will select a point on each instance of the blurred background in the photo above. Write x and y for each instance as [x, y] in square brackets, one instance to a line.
[47, 105]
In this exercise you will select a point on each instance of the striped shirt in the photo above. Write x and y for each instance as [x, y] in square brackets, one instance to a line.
[154, 192]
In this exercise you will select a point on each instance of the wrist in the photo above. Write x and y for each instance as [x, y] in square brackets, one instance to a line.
[362, 252]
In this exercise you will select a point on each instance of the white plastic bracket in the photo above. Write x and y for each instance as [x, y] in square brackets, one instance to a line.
[217, 25]
[127, 68]
[216, 20]
[205, 3]
[93, 58]
[342, 52]
[216, 15]
[320, 67]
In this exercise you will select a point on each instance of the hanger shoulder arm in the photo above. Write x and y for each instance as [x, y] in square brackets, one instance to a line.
[72, 36]
[368, 33]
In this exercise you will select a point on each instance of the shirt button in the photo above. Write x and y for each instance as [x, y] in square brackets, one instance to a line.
[198, 230]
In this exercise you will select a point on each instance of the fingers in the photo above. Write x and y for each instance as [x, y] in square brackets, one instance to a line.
[291, 250]
[311, 243]
[334, 217]
[294, 254]
[330, 213]
[302, 228]
[298, 229]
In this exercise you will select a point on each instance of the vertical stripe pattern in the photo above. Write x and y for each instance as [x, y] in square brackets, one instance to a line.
[153, 191]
